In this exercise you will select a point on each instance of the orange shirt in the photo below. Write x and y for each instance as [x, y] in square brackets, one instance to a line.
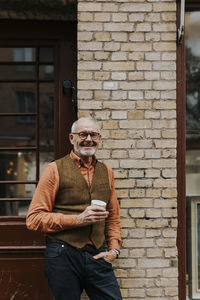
[40, 215]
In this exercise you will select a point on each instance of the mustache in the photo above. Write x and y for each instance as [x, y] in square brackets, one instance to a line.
[90, 144]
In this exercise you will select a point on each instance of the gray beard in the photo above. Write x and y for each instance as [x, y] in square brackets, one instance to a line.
[86, 153]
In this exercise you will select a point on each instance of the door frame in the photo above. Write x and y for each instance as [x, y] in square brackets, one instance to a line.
[181, 151]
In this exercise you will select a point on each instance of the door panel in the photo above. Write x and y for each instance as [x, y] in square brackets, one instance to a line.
[21, 275]
[35, 119]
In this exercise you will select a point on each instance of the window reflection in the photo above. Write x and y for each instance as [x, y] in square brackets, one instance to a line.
[198, 244]
[18, 130]
[192, 44]
[10, 91]
[17, 190]
[23, 54]
[25, 104]
[46, 72]
[14, 208]
[17, 166]
[46, 54]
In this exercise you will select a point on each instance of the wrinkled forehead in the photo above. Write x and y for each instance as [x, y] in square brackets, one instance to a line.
[86, 125]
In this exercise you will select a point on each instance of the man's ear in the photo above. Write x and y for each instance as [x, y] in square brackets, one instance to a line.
[71, 138]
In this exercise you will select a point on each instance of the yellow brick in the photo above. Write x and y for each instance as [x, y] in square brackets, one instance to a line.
[91, 6]
[102, 17]
[171, 291]
[122, 193]
[143, 27]
[102, 95]
[121, 273]
[154, 252]
[119, 135]
[137, 273]
[84, 75]
[102, 75]
[137, 293]
[102, 36]
[163, 7]
[136, 115]
[101, 55]
[164, 46]
[135, 75]
[154, 292]
[136, 47]
[85, 17]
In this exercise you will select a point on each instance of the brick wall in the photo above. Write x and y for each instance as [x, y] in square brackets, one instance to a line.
[127, 81]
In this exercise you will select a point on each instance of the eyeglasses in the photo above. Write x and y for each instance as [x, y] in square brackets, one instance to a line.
[83, 135]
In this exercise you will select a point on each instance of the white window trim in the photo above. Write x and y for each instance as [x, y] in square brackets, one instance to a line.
[194, 237]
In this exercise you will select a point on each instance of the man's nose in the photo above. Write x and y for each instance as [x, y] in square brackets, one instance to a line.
[88, 138]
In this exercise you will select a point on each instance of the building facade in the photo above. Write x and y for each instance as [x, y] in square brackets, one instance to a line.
[127, 81]
[130, 72]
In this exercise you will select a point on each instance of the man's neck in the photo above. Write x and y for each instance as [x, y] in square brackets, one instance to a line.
[87, 160]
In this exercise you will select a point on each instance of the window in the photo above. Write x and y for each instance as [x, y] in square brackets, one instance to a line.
[25, 104]
[192, 48]
[23, 54]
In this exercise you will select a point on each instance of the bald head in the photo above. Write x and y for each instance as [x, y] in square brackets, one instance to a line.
[84, 122]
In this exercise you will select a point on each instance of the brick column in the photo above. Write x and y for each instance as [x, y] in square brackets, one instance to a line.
[127, 81]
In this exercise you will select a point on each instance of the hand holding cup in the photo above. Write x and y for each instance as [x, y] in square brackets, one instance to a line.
[94, 213]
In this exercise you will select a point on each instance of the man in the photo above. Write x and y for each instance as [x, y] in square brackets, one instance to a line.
[76, 231]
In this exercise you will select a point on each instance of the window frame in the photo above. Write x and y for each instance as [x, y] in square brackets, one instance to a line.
[194, 238]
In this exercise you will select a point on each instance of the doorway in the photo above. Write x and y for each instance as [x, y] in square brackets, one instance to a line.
[35, 119]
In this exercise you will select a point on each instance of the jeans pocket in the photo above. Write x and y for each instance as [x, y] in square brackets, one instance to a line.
[105, 261]
[53, 251]
[101, 262]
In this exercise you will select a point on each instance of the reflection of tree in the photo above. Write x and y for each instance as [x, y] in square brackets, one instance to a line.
[46, 121]
[192, 98]
[193, 88]
[7, 172]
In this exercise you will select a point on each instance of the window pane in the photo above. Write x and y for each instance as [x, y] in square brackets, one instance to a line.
[46, 72]
[193, 172]
[9, 54]
[12, 93]
[25, 102]
[46, 123]
[16, 190]
[192, 44]
[23, 54]
[17, 131]
[17, 165]
[46, 114]
[46, 54]
[19, 72]
[198, 237]
[14, 208]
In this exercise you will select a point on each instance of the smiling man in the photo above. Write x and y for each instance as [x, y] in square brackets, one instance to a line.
[82, 239]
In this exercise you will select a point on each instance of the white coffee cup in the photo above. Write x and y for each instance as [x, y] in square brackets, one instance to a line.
[99, 203]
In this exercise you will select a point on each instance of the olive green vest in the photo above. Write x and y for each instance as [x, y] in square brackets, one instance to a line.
[74, 195]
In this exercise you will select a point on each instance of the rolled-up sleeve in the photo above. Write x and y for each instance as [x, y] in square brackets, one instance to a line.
[113, 223]
[40, 215]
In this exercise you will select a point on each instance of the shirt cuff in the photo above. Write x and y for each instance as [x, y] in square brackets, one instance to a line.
[69, 221]
[114, 244]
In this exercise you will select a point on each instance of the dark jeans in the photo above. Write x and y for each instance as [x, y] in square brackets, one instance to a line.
[70, 270]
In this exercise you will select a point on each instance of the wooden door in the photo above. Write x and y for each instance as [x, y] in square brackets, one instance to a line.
[35, 119]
